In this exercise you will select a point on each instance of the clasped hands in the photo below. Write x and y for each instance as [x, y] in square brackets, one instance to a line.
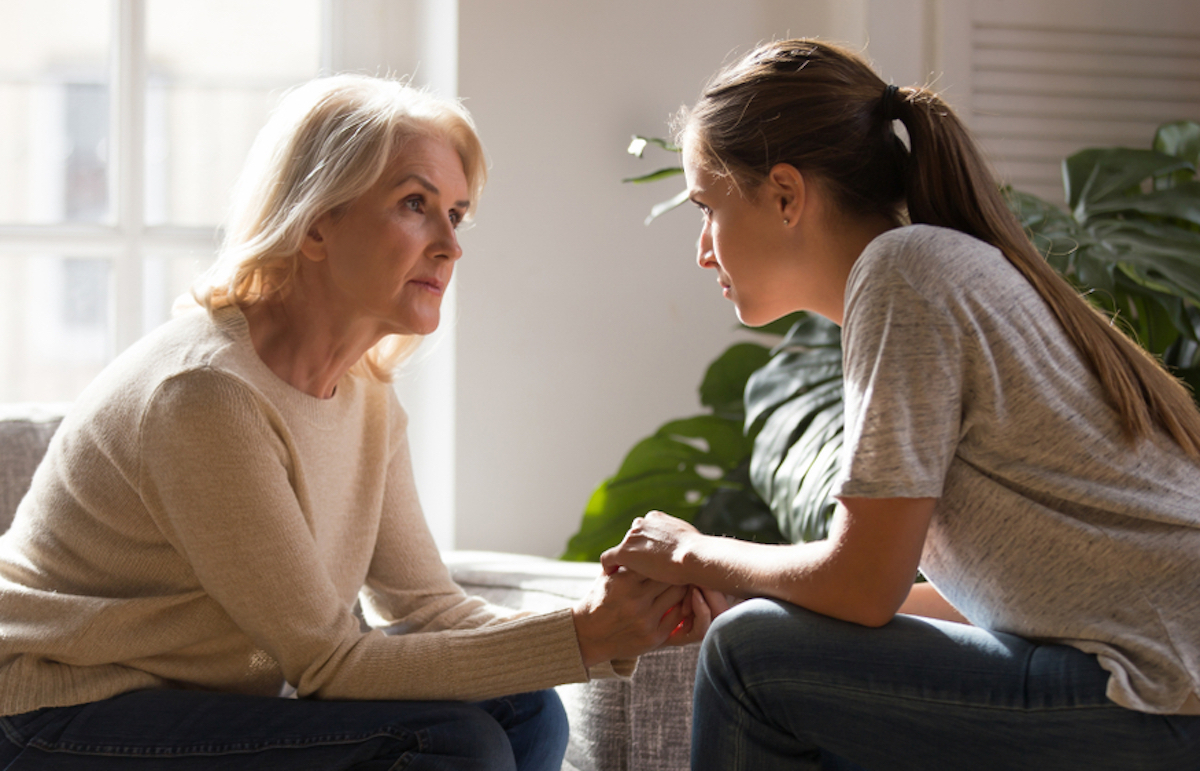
[644, 599]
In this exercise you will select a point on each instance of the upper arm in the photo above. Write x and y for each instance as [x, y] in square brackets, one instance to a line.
[407, 581]
[875, 547]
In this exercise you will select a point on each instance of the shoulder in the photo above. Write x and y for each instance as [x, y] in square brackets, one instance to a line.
[944, 268]
[128, 382]
[925, 255]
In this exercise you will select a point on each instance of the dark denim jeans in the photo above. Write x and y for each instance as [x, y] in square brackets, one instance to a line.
[194, 731]
[781, 687]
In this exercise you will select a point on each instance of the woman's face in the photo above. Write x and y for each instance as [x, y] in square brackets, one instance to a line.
[742, 239]
[388, 256]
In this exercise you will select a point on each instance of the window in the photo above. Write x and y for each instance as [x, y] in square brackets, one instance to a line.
[124, 124]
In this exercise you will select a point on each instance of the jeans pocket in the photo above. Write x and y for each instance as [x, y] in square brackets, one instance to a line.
[45, 725]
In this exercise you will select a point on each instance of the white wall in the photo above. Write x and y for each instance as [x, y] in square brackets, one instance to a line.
[580, 330]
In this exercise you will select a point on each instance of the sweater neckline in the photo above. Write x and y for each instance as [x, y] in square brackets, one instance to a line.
[326, 413]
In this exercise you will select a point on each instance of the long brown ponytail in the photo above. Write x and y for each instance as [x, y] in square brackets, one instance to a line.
[821, 108]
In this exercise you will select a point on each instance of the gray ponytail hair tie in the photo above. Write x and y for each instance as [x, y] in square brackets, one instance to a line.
[889, 102]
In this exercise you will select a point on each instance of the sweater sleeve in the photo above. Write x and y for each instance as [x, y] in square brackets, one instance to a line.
[409, 588]
[216, 474]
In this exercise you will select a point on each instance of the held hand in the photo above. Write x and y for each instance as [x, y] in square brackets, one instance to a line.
[655, 546]
[705, 604]
[626, 614]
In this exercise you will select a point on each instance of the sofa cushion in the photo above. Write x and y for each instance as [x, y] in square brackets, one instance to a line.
[25, 431]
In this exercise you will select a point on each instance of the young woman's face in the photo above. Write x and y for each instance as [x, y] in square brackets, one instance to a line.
[388, 256]
[742, 239]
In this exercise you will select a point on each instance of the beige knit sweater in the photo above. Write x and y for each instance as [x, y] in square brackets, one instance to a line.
[198, 523]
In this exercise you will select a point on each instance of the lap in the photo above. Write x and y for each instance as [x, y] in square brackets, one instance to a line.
[184, 730]
[918, 689]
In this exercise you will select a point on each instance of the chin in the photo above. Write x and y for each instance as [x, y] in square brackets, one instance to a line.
[751, 319]
[422, 325]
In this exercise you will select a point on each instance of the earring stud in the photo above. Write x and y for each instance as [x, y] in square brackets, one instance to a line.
[786, 221]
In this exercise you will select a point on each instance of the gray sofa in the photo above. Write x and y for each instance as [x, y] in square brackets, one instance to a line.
[641, 724]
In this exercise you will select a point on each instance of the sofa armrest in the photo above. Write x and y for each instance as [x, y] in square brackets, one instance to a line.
[25, 432]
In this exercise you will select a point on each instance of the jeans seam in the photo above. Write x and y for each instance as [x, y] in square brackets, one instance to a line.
[818, 686]
[423, 746]
[198, 750]
[11, 733]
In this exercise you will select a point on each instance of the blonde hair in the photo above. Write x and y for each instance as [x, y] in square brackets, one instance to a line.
[326, 144]
[822, 109]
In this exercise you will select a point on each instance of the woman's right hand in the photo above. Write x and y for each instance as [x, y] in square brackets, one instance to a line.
[625, 615]
[656, 545]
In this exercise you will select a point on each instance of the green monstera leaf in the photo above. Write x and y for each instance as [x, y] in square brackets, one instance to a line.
[1131, 238]
[693, 468]
[794, 410]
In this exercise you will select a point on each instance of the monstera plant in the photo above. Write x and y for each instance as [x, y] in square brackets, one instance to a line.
[762, 467]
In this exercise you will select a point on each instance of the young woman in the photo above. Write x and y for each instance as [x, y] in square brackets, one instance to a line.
[1000, 435]
[217, 500]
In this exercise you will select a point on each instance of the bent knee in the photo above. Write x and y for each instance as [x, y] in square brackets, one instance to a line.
[473, 739]
[543, 711]
[755, 633]
[748, 623]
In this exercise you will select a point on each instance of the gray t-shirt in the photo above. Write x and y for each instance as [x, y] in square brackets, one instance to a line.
[961, 385]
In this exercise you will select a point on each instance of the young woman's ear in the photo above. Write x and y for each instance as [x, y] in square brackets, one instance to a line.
[788, 190]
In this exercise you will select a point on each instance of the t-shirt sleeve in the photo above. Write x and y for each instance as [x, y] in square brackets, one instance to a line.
[902, 354]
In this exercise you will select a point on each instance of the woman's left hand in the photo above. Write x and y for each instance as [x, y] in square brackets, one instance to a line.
[706, 605]
[655, 546]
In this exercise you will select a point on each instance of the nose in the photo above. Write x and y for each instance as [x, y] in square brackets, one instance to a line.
[446, 245]
[705, 257]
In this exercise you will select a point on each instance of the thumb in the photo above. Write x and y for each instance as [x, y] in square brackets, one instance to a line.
[609, 561]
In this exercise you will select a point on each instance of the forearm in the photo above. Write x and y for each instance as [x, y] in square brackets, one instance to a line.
[925, 600]
[812, 575]
[862, 572]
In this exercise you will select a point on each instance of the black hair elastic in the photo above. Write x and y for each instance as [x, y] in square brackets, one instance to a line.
[889, 102]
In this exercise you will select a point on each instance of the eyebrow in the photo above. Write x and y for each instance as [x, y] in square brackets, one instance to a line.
[425, 183]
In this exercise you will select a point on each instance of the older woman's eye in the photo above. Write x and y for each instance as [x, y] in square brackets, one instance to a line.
[415, 202]
[455, 217]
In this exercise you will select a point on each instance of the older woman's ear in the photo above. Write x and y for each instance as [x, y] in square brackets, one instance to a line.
[313, 246]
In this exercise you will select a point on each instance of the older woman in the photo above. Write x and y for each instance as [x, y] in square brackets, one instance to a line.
[207, 516]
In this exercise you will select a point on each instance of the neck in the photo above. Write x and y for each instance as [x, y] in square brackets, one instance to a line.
[305, 345]
[844, 243]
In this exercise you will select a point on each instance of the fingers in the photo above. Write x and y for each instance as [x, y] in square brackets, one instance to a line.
[669, 597]
[693, 628]
[671, 622]
[706, 605]
[610, 561]
[717, 602]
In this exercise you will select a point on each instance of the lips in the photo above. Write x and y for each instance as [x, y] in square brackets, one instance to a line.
[431, 284]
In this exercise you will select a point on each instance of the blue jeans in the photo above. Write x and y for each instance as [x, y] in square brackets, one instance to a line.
[782, 687]
[194, 731]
